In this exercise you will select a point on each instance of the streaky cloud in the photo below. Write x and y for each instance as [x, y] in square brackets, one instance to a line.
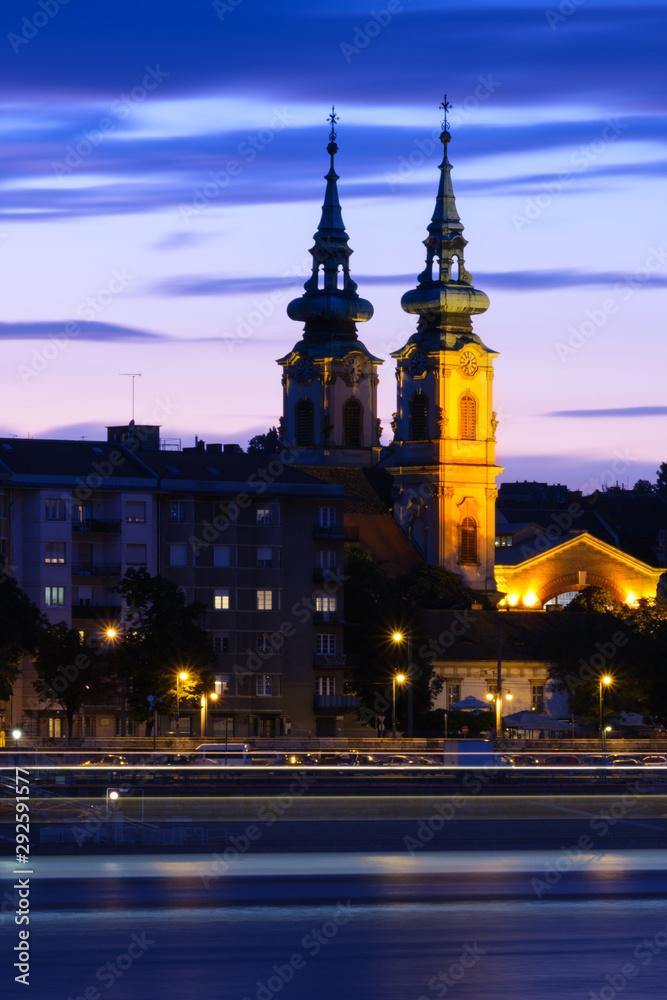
[76, 329]
[618, 411]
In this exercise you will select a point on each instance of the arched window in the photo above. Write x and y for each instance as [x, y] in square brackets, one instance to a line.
[468, 542]
[468, 417]
[305, 423]
[419, 417]
[352, 416]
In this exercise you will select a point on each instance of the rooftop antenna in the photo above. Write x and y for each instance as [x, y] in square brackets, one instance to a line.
[132, 375]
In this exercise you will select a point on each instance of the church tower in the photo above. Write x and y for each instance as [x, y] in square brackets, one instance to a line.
[442, 458]
[329, 378]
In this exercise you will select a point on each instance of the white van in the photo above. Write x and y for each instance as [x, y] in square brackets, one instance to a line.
[232, 755]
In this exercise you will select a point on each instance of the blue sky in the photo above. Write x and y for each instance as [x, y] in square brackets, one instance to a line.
[161, 177]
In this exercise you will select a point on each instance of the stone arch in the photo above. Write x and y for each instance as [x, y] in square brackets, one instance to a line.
[571, 581]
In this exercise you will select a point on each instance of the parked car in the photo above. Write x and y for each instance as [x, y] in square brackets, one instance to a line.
[654, 760]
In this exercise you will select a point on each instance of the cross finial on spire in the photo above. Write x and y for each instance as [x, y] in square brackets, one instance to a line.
[333, 118]
[446, 106]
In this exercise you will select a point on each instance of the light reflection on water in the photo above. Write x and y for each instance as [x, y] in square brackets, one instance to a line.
[226, 942]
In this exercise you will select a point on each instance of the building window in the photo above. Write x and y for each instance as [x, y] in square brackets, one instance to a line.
[264, 516]
[54, 552]
[325, 606]
[264, 557]
[468, 417]
[503, 541]
[263, 642]
[327, 517]
[453, 694]
[135, 511]
[538, 697]
[326, 685]
[137, 555]
[222, 555]
[264, 685]
[468, 542]
[221, 642]
[221, 600]
[352, 420]
[178, 554]
[264, 600]
[419, 417]
[325, 645]
[327, 559]
[84, 596]
[54, 597]
[222, 683]
[304, 414]
[54, 510]
[177, 512]
[81, 513]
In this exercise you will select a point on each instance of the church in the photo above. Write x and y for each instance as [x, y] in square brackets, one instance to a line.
[259, 540]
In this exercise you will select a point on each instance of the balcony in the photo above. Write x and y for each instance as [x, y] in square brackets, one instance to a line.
[335, 531]
[95, 526]
[100, 611]
[327, 618]
[97, 569]
[347, 702]
[330, 660]
[330, 573]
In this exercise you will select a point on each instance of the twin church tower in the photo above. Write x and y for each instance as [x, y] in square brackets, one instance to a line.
[442, 457]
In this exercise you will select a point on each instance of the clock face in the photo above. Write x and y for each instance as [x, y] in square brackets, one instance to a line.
[303, 370]
[418, 362]
[468, 363]
[352, 369]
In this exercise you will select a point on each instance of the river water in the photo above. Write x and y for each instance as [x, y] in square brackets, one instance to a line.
[468, 926]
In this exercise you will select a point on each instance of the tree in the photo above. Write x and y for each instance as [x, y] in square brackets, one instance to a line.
[265, 444]
[159, 637]
[593, 599]
[643, 486]
[66, 671]
[661, 481]
[21, 626]
[378, 608]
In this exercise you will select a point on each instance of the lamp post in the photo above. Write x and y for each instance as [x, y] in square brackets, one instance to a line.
[204, 711]
[603, 681]
[182, 676]
[16, 733]
[398, 637]
[111, 634]
[400, 678]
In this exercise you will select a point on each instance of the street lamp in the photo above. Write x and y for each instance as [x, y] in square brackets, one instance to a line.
[603, 681]
[400, 678]
[16, 733]
[398, 637]
[111, 634]
[179, 677]
[204, 711]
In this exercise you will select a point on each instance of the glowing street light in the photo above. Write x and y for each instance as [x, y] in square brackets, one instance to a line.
[396, 678]
[182, 676]
[606, 680]
[17, 734]
[399, 637]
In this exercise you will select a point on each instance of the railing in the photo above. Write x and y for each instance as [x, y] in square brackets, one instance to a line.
[97, 569]
[330, 659]
[96, 526]
[330, 573]
[344, 701]
[334, 531]
[327, 617]
[96, 611]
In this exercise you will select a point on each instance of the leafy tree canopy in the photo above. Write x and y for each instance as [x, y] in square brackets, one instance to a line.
[68, 671]
[265, 444]
[21, 626]
[591, 599]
